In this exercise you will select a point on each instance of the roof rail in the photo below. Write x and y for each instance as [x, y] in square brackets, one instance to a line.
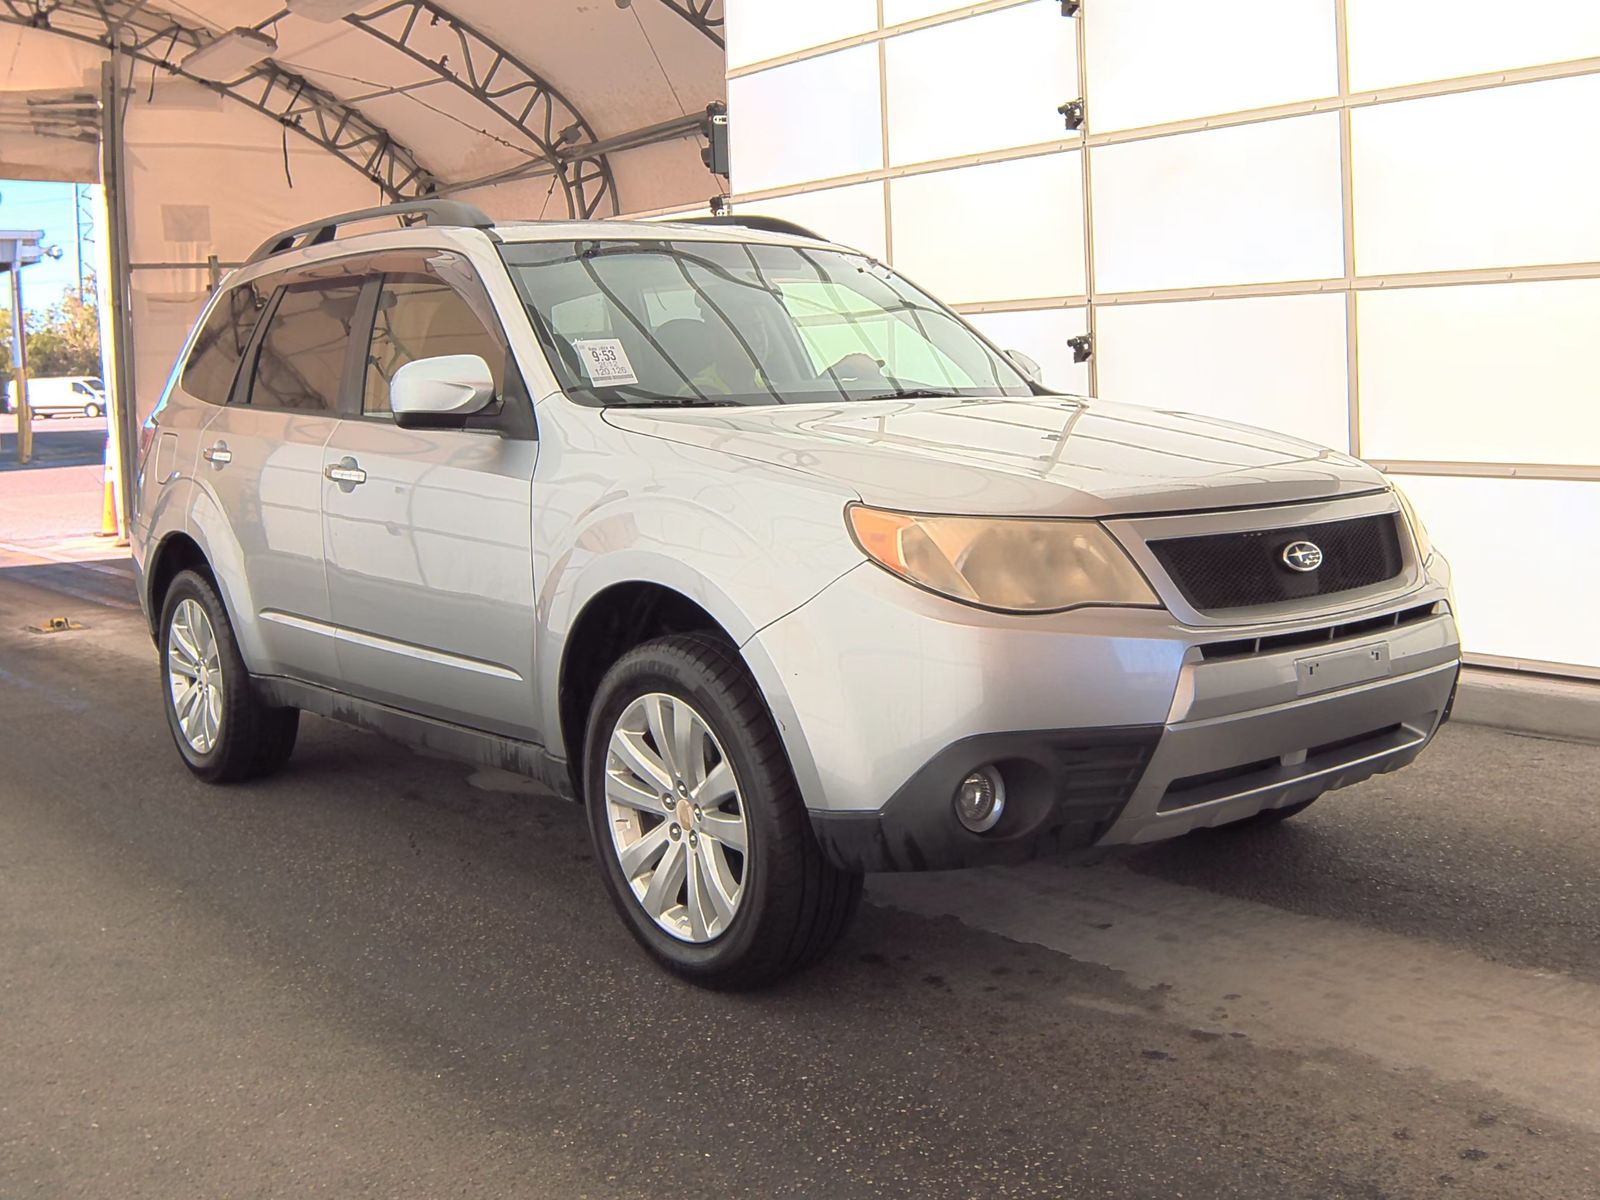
[754, 221]
[424, 212]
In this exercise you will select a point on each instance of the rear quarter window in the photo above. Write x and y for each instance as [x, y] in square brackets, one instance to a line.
[220, 345]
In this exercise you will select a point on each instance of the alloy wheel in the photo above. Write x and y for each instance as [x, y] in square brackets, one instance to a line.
[194, 675]
[677, 818]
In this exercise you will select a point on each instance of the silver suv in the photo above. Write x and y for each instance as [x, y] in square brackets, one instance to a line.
[762, 554]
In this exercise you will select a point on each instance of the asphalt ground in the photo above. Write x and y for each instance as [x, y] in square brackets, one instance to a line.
[59, 494]
[382, 974]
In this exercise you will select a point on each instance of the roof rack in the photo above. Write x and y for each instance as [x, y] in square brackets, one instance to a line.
[421, 212]
[754, 221]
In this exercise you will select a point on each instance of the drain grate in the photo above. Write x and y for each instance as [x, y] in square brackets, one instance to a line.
[54, 625]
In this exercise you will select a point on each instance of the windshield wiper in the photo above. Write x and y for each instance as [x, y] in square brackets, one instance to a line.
[676, 402]
[915, 393]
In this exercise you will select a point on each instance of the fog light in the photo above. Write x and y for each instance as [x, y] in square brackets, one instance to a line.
[980, 799]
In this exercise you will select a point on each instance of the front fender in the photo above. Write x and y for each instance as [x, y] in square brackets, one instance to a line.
[736, 619]
[742, 580]
[746, 541]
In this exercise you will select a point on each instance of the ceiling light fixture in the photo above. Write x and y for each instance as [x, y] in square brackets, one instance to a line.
[326, 11]
[229, 55]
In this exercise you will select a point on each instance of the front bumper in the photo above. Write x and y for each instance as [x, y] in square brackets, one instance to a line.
[1109, 726]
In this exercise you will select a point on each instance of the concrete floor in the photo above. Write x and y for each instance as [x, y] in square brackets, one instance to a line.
[59, 495]
[380, 974]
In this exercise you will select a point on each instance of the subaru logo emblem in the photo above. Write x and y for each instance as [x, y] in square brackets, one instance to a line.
[1302, 556]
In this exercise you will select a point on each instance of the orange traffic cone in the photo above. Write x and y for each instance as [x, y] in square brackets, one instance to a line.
[108, 504]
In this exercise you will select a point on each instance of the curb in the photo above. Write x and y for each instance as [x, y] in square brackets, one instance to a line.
[1543, 705]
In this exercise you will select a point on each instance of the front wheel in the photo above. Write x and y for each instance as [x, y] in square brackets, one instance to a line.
[222, 729]
[92, 410]
[705, 845]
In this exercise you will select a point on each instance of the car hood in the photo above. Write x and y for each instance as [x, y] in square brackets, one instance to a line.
[1044, 455]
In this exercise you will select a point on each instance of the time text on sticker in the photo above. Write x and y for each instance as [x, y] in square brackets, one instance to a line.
[605, 362]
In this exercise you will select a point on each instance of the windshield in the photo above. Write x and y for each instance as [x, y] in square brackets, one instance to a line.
[663, 322]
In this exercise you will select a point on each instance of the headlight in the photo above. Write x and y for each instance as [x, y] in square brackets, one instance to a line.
[1011, 563]
[1418, 531]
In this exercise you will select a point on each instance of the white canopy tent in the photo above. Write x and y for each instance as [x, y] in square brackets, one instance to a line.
[552, 109]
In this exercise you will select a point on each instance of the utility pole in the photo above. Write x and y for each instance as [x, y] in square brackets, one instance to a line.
[83, 228]
[18, 248]
[19, 360]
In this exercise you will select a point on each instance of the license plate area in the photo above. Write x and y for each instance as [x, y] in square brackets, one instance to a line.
[1343, 668]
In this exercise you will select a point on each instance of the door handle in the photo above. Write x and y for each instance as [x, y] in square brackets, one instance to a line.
[218, 456]
[347, 473]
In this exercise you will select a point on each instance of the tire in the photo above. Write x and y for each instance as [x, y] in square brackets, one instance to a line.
[791, 904]
[92, 410]
[1272, 816]
[237, 737]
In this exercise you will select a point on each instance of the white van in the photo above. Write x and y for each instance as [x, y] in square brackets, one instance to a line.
[63, 395]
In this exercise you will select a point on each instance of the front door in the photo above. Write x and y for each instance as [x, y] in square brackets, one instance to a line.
[261, 458]
[428, 532]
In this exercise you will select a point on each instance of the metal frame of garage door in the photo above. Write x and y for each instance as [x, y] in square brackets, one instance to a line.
[1344, 102]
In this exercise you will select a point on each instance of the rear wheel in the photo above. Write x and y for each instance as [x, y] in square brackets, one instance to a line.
[705, 845]
[222, 729]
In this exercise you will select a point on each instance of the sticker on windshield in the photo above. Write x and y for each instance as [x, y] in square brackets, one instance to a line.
[605, 362]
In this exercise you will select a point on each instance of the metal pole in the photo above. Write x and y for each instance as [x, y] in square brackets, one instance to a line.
[662, 131]
[1091, 317]
[19, 359]
[77, 229]
[117, 324]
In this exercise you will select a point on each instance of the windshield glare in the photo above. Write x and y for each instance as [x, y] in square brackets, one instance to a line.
[690, 322]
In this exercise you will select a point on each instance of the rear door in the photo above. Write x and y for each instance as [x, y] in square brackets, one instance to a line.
[205, 383]
[429, 531]
[261, 457]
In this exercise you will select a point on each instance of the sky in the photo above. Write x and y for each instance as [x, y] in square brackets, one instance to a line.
[46, 206]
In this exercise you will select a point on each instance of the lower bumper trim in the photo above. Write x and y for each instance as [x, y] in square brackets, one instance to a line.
[1067, 789]
[1224, 769]
[1064, 789]
[1263, 780]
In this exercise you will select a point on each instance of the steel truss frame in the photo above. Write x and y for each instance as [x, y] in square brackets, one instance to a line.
[699, 13]
[477, 65]
[499, 80]
[152, 36]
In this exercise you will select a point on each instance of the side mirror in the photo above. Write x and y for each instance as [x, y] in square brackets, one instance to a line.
[1029, 368]
[440, 392]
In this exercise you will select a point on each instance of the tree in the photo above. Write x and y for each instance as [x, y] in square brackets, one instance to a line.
[63, 339]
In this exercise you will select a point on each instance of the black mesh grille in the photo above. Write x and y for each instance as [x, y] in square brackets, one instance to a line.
[1238, 570]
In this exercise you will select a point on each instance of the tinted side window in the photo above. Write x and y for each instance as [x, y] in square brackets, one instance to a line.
[422, 317]
[301, 360]
[214, 360]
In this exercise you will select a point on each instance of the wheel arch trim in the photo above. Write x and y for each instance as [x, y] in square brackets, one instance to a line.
[676, 577]
[224, 562]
